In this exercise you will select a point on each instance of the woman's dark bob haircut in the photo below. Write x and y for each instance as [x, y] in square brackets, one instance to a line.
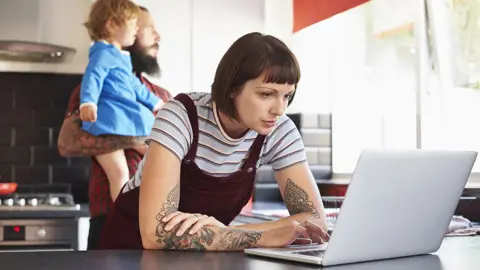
[249, 57]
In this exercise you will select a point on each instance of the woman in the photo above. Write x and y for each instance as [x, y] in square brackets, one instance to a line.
[203, 154]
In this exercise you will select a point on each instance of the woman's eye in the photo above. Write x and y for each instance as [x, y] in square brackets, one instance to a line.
[288, 97]
[266, 95]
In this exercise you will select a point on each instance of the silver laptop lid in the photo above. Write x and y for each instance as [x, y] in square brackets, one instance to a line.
[399, 203]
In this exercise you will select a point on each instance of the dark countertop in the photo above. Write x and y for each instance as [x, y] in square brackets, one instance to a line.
[456, 253]
[82, 212]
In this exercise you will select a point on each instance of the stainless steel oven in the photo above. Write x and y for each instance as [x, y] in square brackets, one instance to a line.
[38, 222]
[38, 234]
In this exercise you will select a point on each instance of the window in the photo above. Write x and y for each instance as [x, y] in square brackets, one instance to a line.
[454, 100]
[360, 65]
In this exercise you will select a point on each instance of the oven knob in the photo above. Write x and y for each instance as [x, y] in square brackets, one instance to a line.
[54, 201]
[41, 233]
[33, 202]
[8, 202]
[21, 202]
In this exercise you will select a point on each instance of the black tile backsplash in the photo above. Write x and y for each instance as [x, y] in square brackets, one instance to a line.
[14, 117]
[15, 155]
[70, 174]
[32, 107]
[6, 173]
[47, 156]
[23, 99]
[27, 136]
[6, 99]
[31, 175]
[5, 137]
[48, 117]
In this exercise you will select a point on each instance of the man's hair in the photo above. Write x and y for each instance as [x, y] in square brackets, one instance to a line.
[117, 11]
[249, 57]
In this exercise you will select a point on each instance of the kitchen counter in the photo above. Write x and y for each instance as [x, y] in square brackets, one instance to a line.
[38, 213]
[455, 253]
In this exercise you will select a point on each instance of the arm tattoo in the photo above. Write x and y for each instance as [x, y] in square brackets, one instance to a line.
[297, 200]
[85, 144]
[170, 240]
[229, 239]
[170, 206]
[238, 239]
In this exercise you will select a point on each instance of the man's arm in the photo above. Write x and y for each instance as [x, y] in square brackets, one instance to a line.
[301, 196]
[73, 141]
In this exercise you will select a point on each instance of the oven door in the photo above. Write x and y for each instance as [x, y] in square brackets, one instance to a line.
[38, 235]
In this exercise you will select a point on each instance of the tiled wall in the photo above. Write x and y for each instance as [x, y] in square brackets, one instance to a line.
[316, 132]
[32, 107]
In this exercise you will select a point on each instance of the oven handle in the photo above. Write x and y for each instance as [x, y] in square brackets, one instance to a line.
[27, 249]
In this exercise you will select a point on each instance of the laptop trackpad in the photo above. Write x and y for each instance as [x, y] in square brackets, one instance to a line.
[315, 253]
[315, 250]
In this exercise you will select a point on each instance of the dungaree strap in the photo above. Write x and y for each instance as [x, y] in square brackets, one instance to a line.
[193, 117]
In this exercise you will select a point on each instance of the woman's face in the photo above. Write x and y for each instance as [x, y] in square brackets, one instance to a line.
[260, 104]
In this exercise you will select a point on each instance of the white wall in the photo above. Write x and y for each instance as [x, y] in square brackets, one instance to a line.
[279, 19]
[173, 21]
[196, 34]
[216, 25]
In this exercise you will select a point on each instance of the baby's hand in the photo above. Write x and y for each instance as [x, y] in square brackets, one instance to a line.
[88, 113]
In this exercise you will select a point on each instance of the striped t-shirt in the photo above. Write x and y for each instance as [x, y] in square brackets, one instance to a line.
[217, 153]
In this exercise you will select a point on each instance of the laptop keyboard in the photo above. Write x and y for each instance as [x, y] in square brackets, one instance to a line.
[315, 253]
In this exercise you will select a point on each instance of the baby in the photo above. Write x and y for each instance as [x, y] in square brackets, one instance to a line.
[112, 98]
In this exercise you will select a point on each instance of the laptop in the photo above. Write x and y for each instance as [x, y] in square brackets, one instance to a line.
[399, 203]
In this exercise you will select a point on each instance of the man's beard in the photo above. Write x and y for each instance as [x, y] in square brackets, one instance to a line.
[142, 62]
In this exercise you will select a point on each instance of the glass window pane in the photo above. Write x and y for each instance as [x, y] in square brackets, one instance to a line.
[366, 58]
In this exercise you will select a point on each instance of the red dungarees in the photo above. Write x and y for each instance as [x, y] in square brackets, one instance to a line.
[220, 197]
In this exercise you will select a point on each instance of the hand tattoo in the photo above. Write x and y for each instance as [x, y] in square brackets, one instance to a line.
[297, 200]
[224, 239]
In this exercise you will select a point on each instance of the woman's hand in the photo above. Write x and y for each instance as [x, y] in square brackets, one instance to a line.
[315, 233]
[188, 220]
[294, 234]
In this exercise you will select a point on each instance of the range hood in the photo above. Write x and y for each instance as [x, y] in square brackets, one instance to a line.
[36, 52]
[45, 36]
